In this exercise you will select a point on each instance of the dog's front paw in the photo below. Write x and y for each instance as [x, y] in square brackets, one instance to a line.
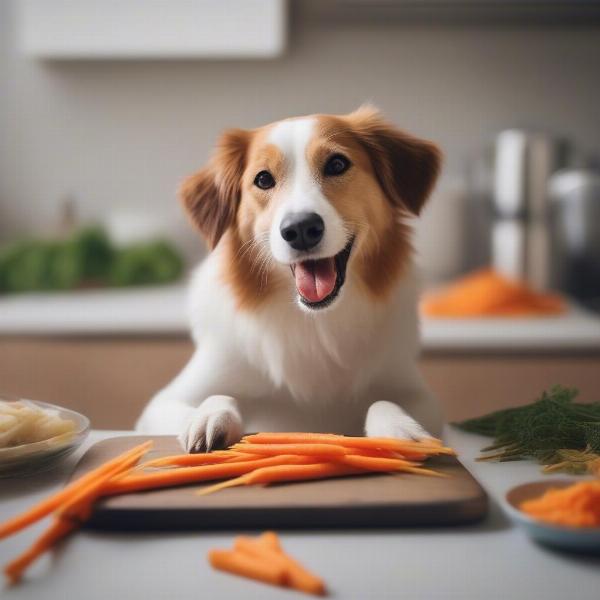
[212, 428]
[385, 419]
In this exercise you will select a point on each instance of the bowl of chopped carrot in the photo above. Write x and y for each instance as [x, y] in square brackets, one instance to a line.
[563, 513]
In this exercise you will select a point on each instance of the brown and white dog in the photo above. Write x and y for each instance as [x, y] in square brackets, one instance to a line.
[304, 313]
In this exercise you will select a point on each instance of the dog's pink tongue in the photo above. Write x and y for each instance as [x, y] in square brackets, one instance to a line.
[315, 279]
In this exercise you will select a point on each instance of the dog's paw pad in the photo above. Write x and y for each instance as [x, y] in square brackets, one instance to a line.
[404, 428]
[409, 430]
[223, 429]
[385, 419]
[211, 432]
[193, 440]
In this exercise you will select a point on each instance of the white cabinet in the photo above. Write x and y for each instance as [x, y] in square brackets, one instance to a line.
[169, 29]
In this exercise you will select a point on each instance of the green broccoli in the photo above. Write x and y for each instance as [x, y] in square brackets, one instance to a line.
[86, 256]
[146, 263]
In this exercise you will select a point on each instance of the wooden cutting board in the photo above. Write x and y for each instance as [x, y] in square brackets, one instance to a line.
[373, 500]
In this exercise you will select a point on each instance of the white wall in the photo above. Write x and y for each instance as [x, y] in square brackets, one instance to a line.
[125, 133]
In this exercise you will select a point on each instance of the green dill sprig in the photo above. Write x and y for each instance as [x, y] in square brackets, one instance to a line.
[540, 430]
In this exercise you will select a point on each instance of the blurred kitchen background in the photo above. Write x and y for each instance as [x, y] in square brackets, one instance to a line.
[105, 105]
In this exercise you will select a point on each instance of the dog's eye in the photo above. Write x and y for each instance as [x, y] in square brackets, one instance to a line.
[336, 165]
[264, 180]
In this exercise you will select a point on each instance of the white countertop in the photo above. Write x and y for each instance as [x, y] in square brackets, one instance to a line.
[491, 560]
[161, 311]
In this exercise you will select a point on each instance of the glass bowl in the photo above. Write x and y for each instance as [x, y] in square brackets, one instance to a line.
[41, 456]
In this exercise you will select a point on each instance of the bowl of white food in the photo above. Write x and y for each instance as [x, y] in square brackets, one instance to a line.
[35, 436]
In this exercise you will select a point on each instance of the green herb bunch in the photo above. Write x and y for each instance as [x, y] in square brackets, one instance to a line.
[86, 258]
[541, 430]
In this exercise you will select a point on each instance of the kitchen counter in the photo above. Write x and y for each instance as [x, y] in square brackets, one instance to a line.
[492, 560]
[161, 311]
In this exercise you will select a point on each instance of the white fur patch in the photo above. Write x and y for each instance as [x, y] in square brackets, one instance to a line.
[300, 192]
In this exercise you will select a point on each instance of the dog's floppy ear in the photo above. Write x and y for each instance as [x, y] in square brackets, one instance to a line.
[212, 195]
[407, 167]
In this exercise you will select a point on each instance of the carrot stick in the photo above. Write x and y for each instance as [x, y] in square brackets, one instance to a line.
[241, 564]
[296, 575]
[383, 453]
[270, 540]
[295, 472]
[422, 471]
[431, 446]
[370, 463]
[79, 507]
[59, 529]
[45, 507]
[193, 460]
[71, 512]
[185, 475]
[285, 472]
[302, 449]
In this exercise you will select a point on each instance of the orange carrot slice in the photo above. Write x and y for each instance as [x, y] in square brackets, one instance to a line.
[296, 575]
[577, 505]
[243, 565]
[271, 540]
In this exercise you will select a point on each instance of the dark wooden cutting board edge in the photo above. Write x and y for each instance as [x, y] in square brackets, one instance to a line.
[284, 508]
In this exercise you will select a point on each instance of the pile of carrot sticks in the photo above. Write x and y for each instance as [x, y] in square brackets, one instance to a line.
[260, 458]
[263, 559]
[69, 508]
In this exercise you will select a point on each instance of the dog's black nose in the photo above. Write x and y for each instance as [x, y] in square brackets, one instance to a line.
[303, 230]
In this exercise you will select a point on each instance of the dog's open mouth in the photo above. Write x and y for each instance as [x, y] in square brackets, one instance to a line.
[319, 281]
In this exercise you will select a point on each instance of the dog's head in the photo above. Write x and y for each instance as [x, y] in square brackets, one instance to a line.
[310, 201]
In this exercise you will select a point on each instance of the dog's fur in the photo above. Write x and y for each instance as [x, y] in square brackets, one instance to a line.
[266, 360]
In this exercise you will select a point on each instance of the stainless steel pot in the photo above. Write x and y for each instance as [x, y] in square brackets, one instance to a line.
[575, 215]
[524, 162]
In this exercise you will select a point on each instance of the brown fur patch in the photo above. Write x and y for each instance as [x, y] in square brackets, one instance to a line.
[212, 195]
[406, 167]
[247, 268]
[212, 199]
[243, 270]
[375, 211]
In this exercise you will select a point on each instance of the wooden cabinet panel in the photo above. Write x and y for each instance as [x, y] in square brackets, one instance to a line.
[111, 379]
[108, 379]
[469, 386]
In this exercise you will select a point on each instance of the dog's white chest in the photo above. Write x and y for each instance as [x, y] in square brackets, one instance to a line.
[312, 358]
